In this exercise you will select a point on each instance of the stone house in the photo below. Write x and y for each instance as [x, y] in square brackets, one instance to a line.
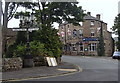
[10, 37]
[84, 39]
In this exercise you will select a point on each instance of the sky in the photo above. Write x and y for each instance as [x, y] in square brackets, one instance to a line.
[107, 8]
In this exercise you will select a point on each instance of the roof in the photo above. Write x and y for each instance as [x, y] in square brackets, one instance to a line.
[88, 17]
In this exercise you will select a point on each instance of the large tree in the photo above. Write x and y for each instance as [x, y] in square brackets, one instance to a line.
[116, 29]
[8, 11]
[49, 12]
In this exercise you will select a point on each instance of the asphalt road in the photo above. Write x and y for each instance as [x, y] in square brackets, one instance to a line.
[94, 69]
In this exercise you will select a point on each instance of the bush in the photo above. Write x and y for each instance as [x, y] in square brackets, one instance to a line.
[36, 49]
[19, 51]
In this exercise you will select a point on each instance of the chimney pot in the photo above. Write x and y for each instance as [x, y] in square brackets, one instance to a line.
[89, 13]
[98, 16]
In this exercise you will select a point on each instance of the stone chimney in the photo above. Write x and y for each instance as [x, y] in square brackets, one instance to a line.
[98, 16]
[89, 13]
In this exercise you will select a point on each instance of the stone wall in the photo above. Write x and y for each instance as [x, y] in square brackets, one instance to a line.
[10, 64]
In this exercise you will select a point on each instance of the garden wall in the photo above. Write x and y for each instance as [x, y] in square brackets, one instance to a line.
[10, 64]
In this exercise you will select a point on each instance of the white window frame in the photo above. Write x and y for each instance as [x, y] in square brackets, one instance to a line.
[81, 45]
[91, 46]
[74, 47]
[81, 32]
[92, 23]
[92, 32]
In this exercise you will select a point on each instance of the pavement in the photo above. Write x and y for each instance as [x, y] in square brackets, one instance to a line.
[40, 72]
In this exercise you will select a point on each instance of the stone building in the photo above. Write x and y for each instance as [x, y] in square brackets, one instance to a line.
[84, 39]
[10, 37]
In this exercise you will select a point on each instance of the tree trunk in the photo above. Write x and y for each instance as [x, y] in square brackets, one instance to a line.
[5, 23]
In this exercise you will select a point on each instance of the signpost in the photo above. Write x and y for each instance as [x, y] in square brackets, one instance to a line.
[24, 29]
[28, 61]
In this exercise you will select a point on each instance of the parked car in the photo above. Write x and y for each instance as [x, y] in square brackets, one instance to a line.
[116, 55]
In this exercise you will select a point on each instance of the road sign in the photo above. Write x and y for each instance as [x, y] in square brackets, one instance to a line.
[24, 29]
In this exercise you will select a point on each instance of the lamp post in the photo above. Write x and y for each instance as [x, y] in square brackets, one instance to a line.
[26, 21]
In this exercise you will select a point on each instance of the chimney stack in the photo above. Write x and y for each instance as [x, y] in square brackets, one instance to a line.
[98, 16]
[89, 13]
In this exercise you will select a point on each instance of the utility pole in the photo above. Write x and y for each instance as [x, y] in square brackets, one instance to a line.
[0, 30]
[0, 37]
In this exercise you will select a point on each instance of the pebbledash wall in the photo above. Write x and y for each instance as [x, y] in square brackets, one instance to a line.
[84, 39]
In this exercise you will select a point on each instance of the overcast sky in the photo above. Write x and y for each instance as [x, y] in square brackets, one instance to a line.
[107, 8]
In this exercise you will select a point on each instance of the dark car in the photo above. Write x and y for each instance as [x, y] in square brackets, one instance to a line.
[116, 55]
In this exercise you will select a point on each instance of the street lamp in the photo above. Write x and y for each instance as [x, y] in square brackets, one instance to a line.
[26, 21]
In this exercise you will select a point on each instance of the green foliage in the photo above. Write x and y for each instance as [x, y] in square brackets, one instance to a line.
[21, 38]
[59, 12]
[19, 51]
[116, 29]
[10, 51]
[37, 48]
[100, 49]
[50, 39]
[46, 14]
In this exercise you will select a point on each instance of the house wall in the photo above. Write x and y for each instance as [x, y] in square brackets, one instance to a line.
[72, 42]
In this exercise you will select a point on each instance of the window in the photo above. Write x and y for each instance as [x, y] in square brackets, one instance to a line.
[81, 23]
[62, 28]
[74, 33]
[68, 26]
[81, 33]
[92, 23]
[74, 47]
[92, 33]
[69, 32]
[81, 47]
[92, 47]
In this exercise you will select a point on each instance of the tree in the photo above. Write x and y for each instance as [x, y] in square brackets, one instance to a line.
[116, 29]
[10, 9]
[46, 14]
[51, 12]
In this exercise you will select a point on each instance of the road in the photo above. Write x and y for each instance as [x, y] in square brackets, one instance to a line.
[94, 69]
